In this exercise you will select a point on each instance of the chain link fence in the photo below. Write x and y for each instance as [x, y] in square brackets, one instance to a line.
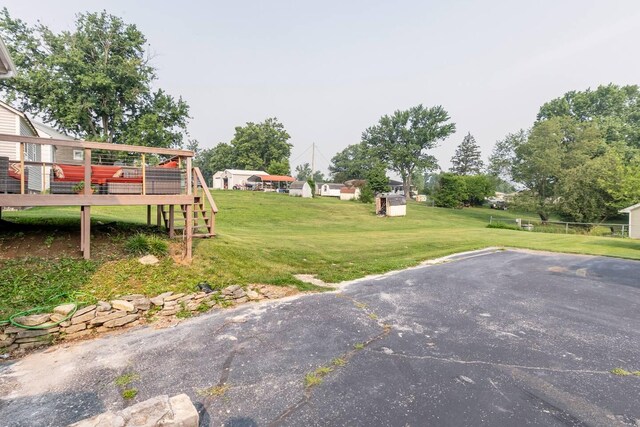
[560, 227]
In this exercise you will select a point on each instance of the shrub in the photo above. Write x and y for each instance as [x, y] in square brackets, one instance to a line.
[141, 244]
[366, 194]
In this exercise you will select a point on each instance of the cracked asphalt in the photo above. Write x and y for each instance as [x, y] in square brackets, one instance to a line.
[496, 338]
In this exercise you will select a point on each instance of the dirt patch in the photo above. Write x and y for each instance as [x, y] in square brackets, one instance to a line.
[54, 241]
[311, 278]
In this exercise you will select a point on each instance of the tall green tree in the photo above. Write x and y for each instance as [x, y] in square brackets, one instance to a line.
[303, 172]
[553, 148]
[502, 157]
[93, 82]
[354, 162]
[467, 159]
[614, 109]
[257, 145]
[403, 139]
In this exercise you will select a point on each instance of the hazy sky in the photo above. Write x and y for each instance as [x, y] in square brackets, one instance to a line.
[329, 69]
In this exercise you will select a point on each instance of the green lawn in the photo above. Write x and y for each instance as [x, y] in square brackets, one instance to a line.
[268, 237]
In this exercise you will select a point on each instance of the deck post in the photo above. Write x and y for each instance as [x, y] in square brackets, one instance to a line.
[144, 178]
[189, 179]
[159, 215]
[149, 215]
[172, 231]
[82, 229]
[189, 232]
[22, 171]
[86, 233]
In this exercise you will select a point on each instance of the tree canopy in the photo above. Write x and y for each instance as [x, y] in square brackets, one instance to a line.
[467, 159]
[256, 146]
[354, 162]
[93, 82]
[403, 139]
[614, 109]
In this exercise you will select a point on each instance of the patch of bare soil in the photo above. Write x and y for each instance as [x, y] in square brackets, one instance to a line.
[59, 241]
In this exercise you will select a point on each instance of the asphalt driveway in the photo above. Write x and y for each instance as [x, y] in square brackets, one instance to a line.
[500, 338]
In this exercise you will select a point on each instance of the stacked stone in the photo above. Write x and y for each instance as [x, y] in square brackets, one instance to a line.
[105, 316]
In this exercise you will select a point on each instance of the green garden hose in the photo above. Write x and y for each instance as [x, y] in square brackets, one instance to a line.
[44, 308]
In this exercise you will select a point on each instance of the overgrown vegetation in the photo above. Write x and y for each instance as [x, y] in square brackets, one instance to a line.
[142, 244]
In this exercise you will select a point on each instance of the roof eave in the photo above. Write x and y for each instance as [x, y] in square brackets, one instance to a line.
[7, 62]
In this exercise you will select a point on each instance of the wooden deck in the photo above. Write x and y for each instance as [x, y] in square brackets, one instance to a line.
[183, 183]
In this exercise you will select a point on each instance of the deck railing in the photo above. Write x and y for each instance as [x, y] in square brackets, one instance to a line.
[111, 169]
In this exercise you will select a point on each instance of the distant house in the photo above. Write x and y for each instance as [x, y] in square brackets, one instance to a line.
[66, 155]
[233, 178]
[634, 220]
[349, 193]
[331, 190]
[300, 189]
[15, 122]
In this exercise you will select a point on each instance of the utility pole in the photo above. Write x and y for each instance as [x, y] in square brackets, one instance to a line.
[313, 158]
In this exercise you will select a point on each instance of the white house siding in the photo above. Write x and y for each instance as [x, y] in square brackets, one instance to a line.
[634, 224]
[8, 126]
[33, 153]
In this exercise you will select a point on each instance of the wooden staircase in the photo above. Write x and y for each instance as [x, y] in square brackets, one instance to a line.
[202, 218]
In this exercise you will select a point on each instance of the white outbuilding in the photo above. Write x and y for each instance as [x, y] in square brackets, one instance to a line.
[300, 189]
[229, 179]
[349, 193]
[331, 190]
[634, 220]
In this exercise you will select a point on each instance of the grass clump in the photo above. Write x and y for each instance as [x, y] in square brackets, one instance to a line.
[183, 313]
[620, 372]
[129, 393]
[215, 391]
[338, 361]
[315, 377]
[143, 244]
[126, 379]
[358, 346]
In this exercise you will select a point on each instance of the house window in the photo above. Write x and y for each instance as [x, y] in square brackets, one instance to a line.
[78, 155]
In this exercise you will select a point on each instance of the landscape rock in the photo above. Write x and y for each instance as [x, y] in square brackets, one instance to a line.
[157, 300]
[148, 260]
[103, 306]
[119, 304]
[31, 345]
[185, 413]
[241, 300]
[57, 318]
[99, 320]
[44, 339]
[185, 298]
[75, 328]
[168, 312]
[229, 290]
[107, 419]
[33, 320]
[170, 304]
[29, 333]
[142, 303]
[131, 297]
[193, 305]
[173, 297]
[253, 295]
[121, 321]
[85, 317]
[239, 293]
[84, 310]
[64, 309]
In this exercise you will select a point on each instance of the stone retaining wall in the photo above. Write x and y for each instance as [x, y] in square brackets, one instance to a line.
[126, 311]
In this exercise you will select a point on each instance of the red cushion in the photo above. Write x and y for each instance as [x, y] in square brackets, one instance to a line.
[72, 173]
[103, 172]
[126, 180]
[171, 164]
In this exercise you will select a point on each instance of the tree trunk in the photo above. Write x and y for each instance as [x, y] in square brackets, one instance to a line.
[406, 183]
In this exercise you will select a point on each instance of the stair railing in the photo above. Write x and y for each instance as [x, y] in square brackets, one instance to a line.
[199, 179]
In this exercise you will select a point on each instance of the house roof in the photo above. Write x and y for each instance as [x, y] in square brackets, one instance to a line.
[630, 208]
[20, 114]
[7, 67]
[297, 185]
[45, 131]
[334, 186]
[348, 190]
[244, 172]
[265, 177]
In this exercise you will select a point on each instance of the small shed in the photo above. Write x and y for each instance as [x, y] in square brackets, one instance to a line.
[634, 220]
[331, 189]
[349, 193]
[391, 205]
[300, 189]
